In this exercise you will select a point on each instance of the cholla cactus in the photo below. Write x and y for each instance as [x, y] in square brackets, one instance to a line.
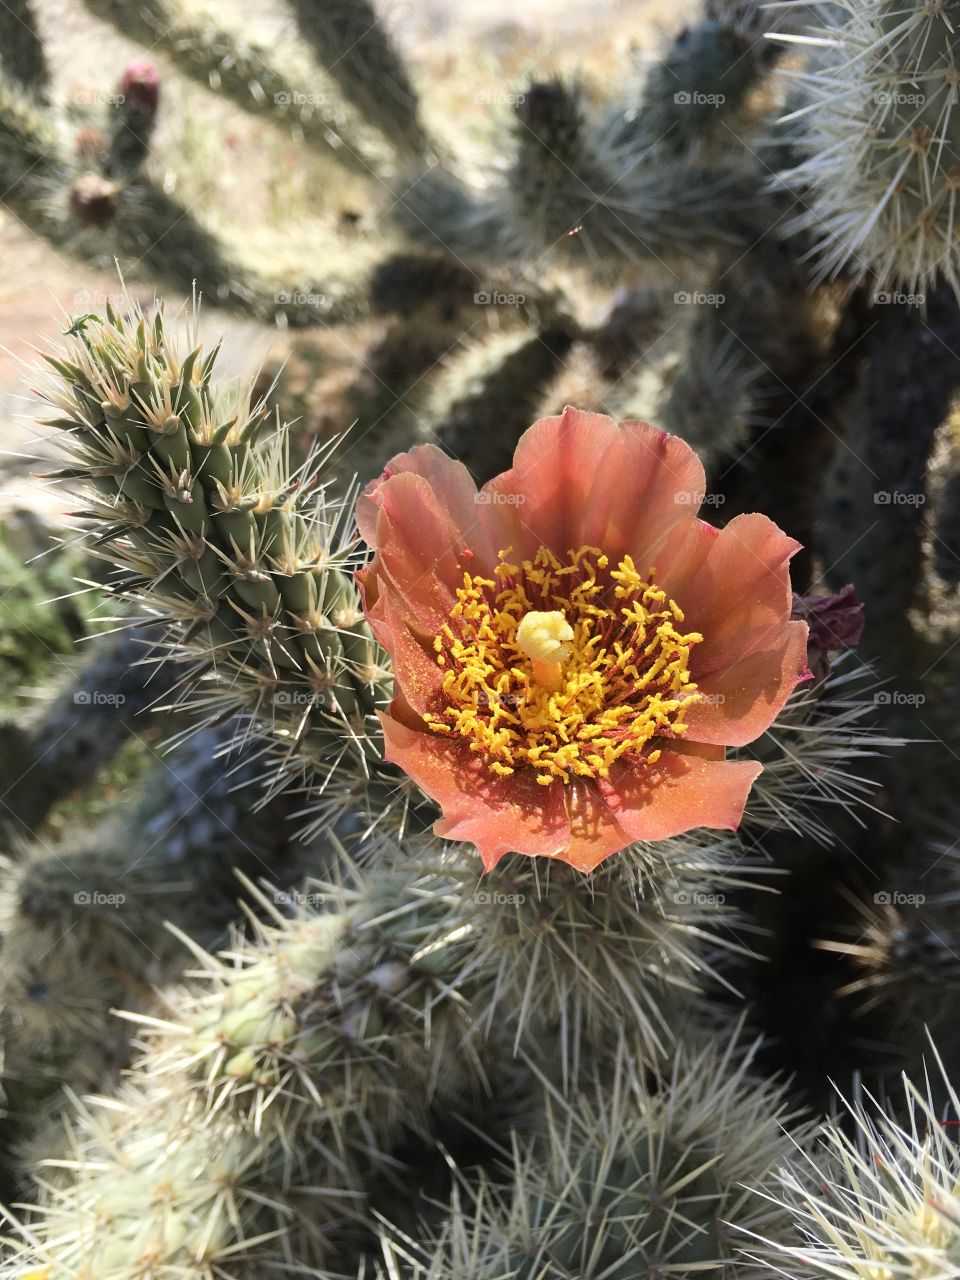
[247, 558]
[609, 703]
[880, 169]
[880, 1203]
[284, 89]
[298, 1062]
[627, 1181]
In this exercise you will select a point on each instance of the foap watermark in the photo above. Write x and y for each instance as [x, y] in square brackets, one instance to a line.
[90, 299]
[299, 698]
[897, 698]
[94, 898]
[694, 98]
[698, 498]
[294, 298]
[897, 498]
[497, 298]
[492, 898]
[499, 98]
[894, 898]
[97, 698]
[695, 898]
[488, 498]
[490, 698]
[95, 98]
[697, 298]
[292, 898]
[896, 299]
[296, 98]
[896, 98]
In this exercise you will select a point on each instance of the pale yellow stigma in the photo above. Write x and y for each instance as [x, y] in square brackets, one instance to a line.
[545, 639]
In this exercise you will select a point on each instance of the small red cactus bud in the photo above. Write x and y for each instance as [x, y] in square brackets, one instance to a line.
[93, 199]
[141, 84]
[90, 143]
[835, 624]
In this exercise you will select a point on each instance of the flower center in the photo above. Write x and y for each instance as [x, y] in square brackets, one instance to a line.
[564, 667]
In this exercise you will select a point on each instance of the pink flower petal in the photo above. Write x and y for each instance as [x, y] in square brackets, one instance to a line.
[752, 655]
[456, 493]
[583, 479]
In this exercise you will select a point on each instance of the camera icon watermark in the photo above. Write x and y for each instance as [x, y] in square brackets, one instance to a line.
[693, 98]
[698, 498]
[299, 698]
[896, 299]
[894, 98]
[493, 498]
[894, 898]
[896, 498]
[697, 298]
[897, 698]
[296, 298]
[89, 299]
[292, 898]
[491, 698]
[492, 898]
[93, 898]
[295, 98]
[95, 98]
[97, 698]
[499, 98]
[497, 298]
[696, 898]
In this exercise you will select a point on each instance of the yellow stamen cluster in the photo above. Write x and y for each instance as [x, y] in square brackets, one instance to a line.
[564, 667]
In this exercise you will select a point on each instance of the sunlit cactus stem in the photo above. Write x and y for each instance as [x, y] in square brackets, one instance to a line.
[241, 551]
[881, 143]
[352, 43]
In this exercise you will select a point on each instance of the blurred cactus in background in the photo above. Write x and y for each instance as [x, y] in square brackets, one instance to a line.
[261, 1012]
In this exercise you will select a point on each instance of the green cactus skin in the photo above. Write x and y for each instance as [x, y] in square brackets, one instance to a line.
[133, 116]
[22, 54]
[283, 1076]
[881, 145]
[875, 492]
[571, 195]
[206, 49]
[691, 96]
[630, 1181]
[44, 758]
[82, 923]
[337, 1030]
[246, 558]
[485, 396]
[350, 40]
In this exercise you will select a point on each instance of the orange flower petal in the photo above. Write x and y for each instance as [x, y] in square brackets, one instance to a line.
[415, 668]
[582, 479]
[417, 546]
[680, 792]
[498, 815]
[752, 655]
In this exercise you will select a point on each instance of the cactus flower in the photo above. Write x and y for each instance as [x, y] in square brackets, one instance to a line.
[573, 648]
